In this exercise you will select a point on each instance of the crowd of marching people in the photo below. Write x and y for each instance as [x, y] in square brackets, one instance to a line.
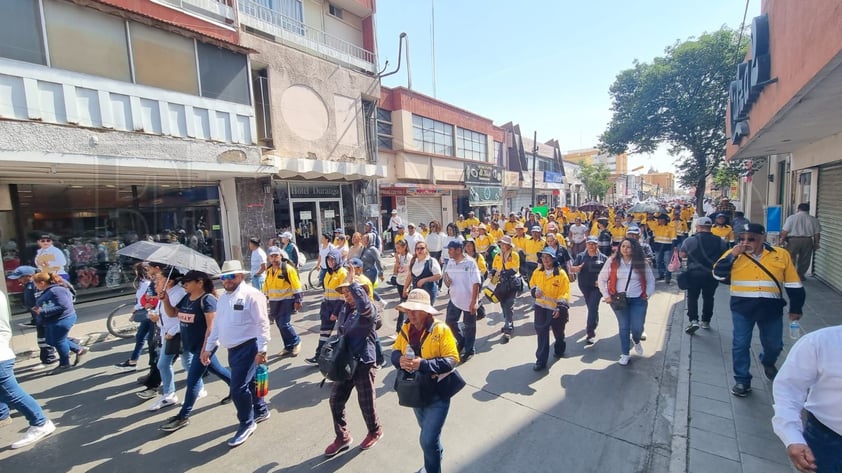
[616, 255]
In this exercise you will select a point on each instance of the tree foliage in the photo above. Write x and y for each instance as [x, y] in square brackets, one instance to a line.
[595, 179]
[678, 99]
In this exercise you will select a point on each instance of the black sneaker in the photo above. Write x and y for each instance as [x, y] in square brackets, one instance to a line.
[29, 324]
[505, 338]
[691, 329]
[313, 361]
[770, 371]
[741, 390]
[539, 367]
[175, 423]
[466, 355]
[225, 400]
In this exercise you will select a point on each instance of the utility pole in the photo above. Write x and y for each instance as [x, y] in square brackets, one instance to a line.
[534, 165]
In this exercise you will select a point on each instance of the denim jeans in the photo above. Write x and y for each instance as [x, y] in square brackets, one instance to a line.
[12, 395]
[431, 420]
[508, 305]
[56, 333]
[401, 314]
[433, 290]
[257, 281]
[770, 326]
[140, 337]
[544, 322]
[630, 321]
[592, 299]
[322, 274]
[242, 386]
[281, 313]
[165, 367]
[465, 339]
[825, 445]
[194, 378]
[662, 258]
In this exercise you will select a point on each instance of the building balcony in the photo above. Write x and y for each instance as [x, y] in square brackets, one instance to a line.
[217, 10]
[296, 34]
[33, 92]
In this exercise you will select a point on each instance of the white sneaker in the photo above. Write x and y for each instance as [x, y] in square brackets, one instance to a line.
[638, 349]
[34, 434]
[202, 394]
[162, 402]
[624, 360]
[643, 336]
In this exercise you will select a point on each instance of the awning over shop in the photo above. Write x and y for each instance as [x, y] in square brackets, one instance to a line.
[330, 170]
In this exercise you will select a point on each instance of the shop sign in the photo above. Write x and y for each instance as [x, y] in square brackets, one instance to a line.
[311, 190]
[553, 177]
[421, 191]
[752, 76]
[476, 173]
[511, 179]
[484, 195]
[392, 191]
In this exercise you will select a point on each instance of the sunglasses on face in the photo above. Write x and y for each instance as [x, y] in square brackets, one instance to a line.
[421, 248]
[228, 277]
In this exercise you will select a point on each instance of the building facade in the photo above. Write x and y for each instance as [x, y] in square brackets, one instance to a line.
[783, 112]
[122, 120]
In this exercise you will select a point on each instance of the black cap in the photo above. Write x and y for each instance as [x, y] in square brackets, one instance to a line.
[45, 236]
[255, 240]
[454, 244]
[752, 228]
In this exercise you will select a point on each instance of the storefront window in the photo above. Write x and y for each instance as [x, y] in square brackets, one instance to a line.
[90, 223]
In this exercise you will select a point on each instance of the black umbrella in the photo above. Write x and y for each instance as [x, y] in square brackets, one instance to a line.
[592, 206]
[171, 254]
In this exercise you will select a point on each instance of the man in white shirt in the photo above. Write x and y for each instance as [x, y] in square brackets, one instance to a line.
[394, 223]
[241, 325]
[463, 279]
[577, 232]
[801, 233]
[412, 237]
[258, 263]
[50, 259]
[811, 379]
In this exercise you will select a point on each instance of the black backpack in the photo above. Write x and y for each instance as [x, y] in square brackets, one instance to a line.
[336, 362]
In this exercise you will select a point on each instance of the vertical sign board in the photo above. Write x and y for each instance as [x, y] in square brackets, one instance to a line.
[773, 224]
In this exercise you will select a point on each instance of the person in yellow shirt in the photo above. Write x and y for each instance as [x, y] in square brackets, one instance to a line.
[519, 238]
[663, 235]
[482, 241]
[401, 234]
[471, 250]
[550, 219]
[510, 225]
[460, 224]
[551, 289]
[531, 247]
[471, 221]
[423, 230]
[722, 229]
[495, 233]
[283, 288]
[333, 299]
[618, 231]
[506, 266]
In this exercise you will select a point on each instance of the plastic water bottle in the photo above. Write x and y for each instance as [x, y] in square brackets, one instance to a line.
[262, 380]
[794, 330]
[409, 353]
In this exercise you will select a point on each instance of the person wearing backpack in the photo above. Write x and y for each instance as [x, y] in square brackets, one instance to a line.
[332, 302]
[356, 323]
[283, 288]
[289, 248]
[701, 251]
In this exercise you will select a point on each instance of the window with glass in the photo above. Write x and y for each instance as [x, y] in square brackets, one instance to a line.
[20, 32]
[471, 145]
[432, 136]
[157, 53]
[384, 128]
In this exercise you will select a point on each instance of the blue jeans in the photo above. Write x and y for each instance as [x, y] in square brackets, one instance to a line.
[11, 394]
[630, 321]
[140, 337]
[257, 281]
[281, 313]
[165, 363]
[56, 333]
[431, 420]
[194, 378]
[322, 274]
[433, 290]
[465, 339]
[825, 445]
[243, 387]
[544, 322]
[592, 299]
[662, 258]
[771, 328]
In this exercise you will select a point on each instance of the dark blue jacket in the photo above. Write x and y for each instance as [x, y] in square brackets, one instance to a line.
[357, 325]
[56, 303]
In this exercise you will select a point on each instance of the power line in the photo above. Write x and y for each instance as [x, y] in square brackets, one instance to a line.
[740, 38]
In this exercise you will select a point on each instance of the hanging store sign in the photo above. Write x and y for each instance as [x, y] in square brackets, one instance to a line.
[752, 76]
[485, 195]
[476, 173]
[553, 177]
[311, 190]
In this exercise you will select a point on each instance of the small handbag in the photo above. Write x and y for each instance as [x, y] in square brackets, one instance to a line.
[172, 346]
[675, 262]
[618, 299]
[414, 389]
[140, 315]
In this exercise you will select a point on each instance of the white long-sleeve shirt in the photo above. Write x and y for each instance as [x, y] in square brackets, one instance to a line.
[810, 378]
[170, 325]
[141, 291]
[635, 287]
[240, 316]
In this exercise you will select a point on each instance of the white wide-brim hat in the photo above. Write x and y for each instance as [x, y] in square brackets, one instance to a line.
[418, 299]
[232, 267]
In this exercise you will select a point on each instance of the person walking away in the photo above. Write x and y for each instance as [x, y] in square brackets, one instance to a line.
[372, 267]
[810, 380]
[258, 262]
[283, 289]
[551, 290]
[434, 353]
[506, 265]
[587, 267]
[757, 299]
[143, 303]
[664, 241]
[332, 301]
[195, 312]
[801, 232]
[54, 309]
[356, 323]
[462, 277]
[12, 394]
[627, 273]
[701, 250]
[47, 354]
[241, 325]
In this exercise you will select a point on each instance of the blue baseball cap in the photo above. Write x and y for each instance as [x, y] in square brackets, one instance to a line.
[22, 271]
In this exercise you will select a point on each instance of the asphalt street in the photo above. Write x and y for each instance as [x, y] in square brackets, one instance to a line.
[585, 413]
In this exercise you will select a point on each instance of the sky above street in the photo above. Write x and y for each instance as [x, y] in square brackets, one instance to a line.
[545, 64]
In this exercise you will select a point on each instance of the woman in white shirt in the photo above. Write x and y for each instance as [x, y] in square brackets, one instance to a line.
[324, 248]
[451, 235]
[627, 273]
[401, 274]
[424, 273]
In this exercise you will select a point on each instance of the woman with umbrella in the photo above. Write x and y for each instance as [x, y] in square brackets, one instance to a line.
[195, 312]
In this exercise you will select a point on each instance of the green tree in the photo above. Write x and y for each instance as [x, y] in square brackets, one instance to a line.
[680, 100]
[595, 179]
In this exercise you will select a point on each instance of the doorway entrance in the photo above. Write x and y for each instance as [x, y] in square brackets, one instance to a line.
[311, 218]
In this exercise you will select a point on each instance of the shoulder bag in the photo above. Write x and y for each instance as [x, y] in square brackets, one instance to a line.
[415, 389]
[618, 299]
[336, 362]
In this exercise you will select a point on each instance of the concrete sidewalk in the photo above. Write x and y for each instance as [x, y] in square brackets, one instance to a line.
[715, 431]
